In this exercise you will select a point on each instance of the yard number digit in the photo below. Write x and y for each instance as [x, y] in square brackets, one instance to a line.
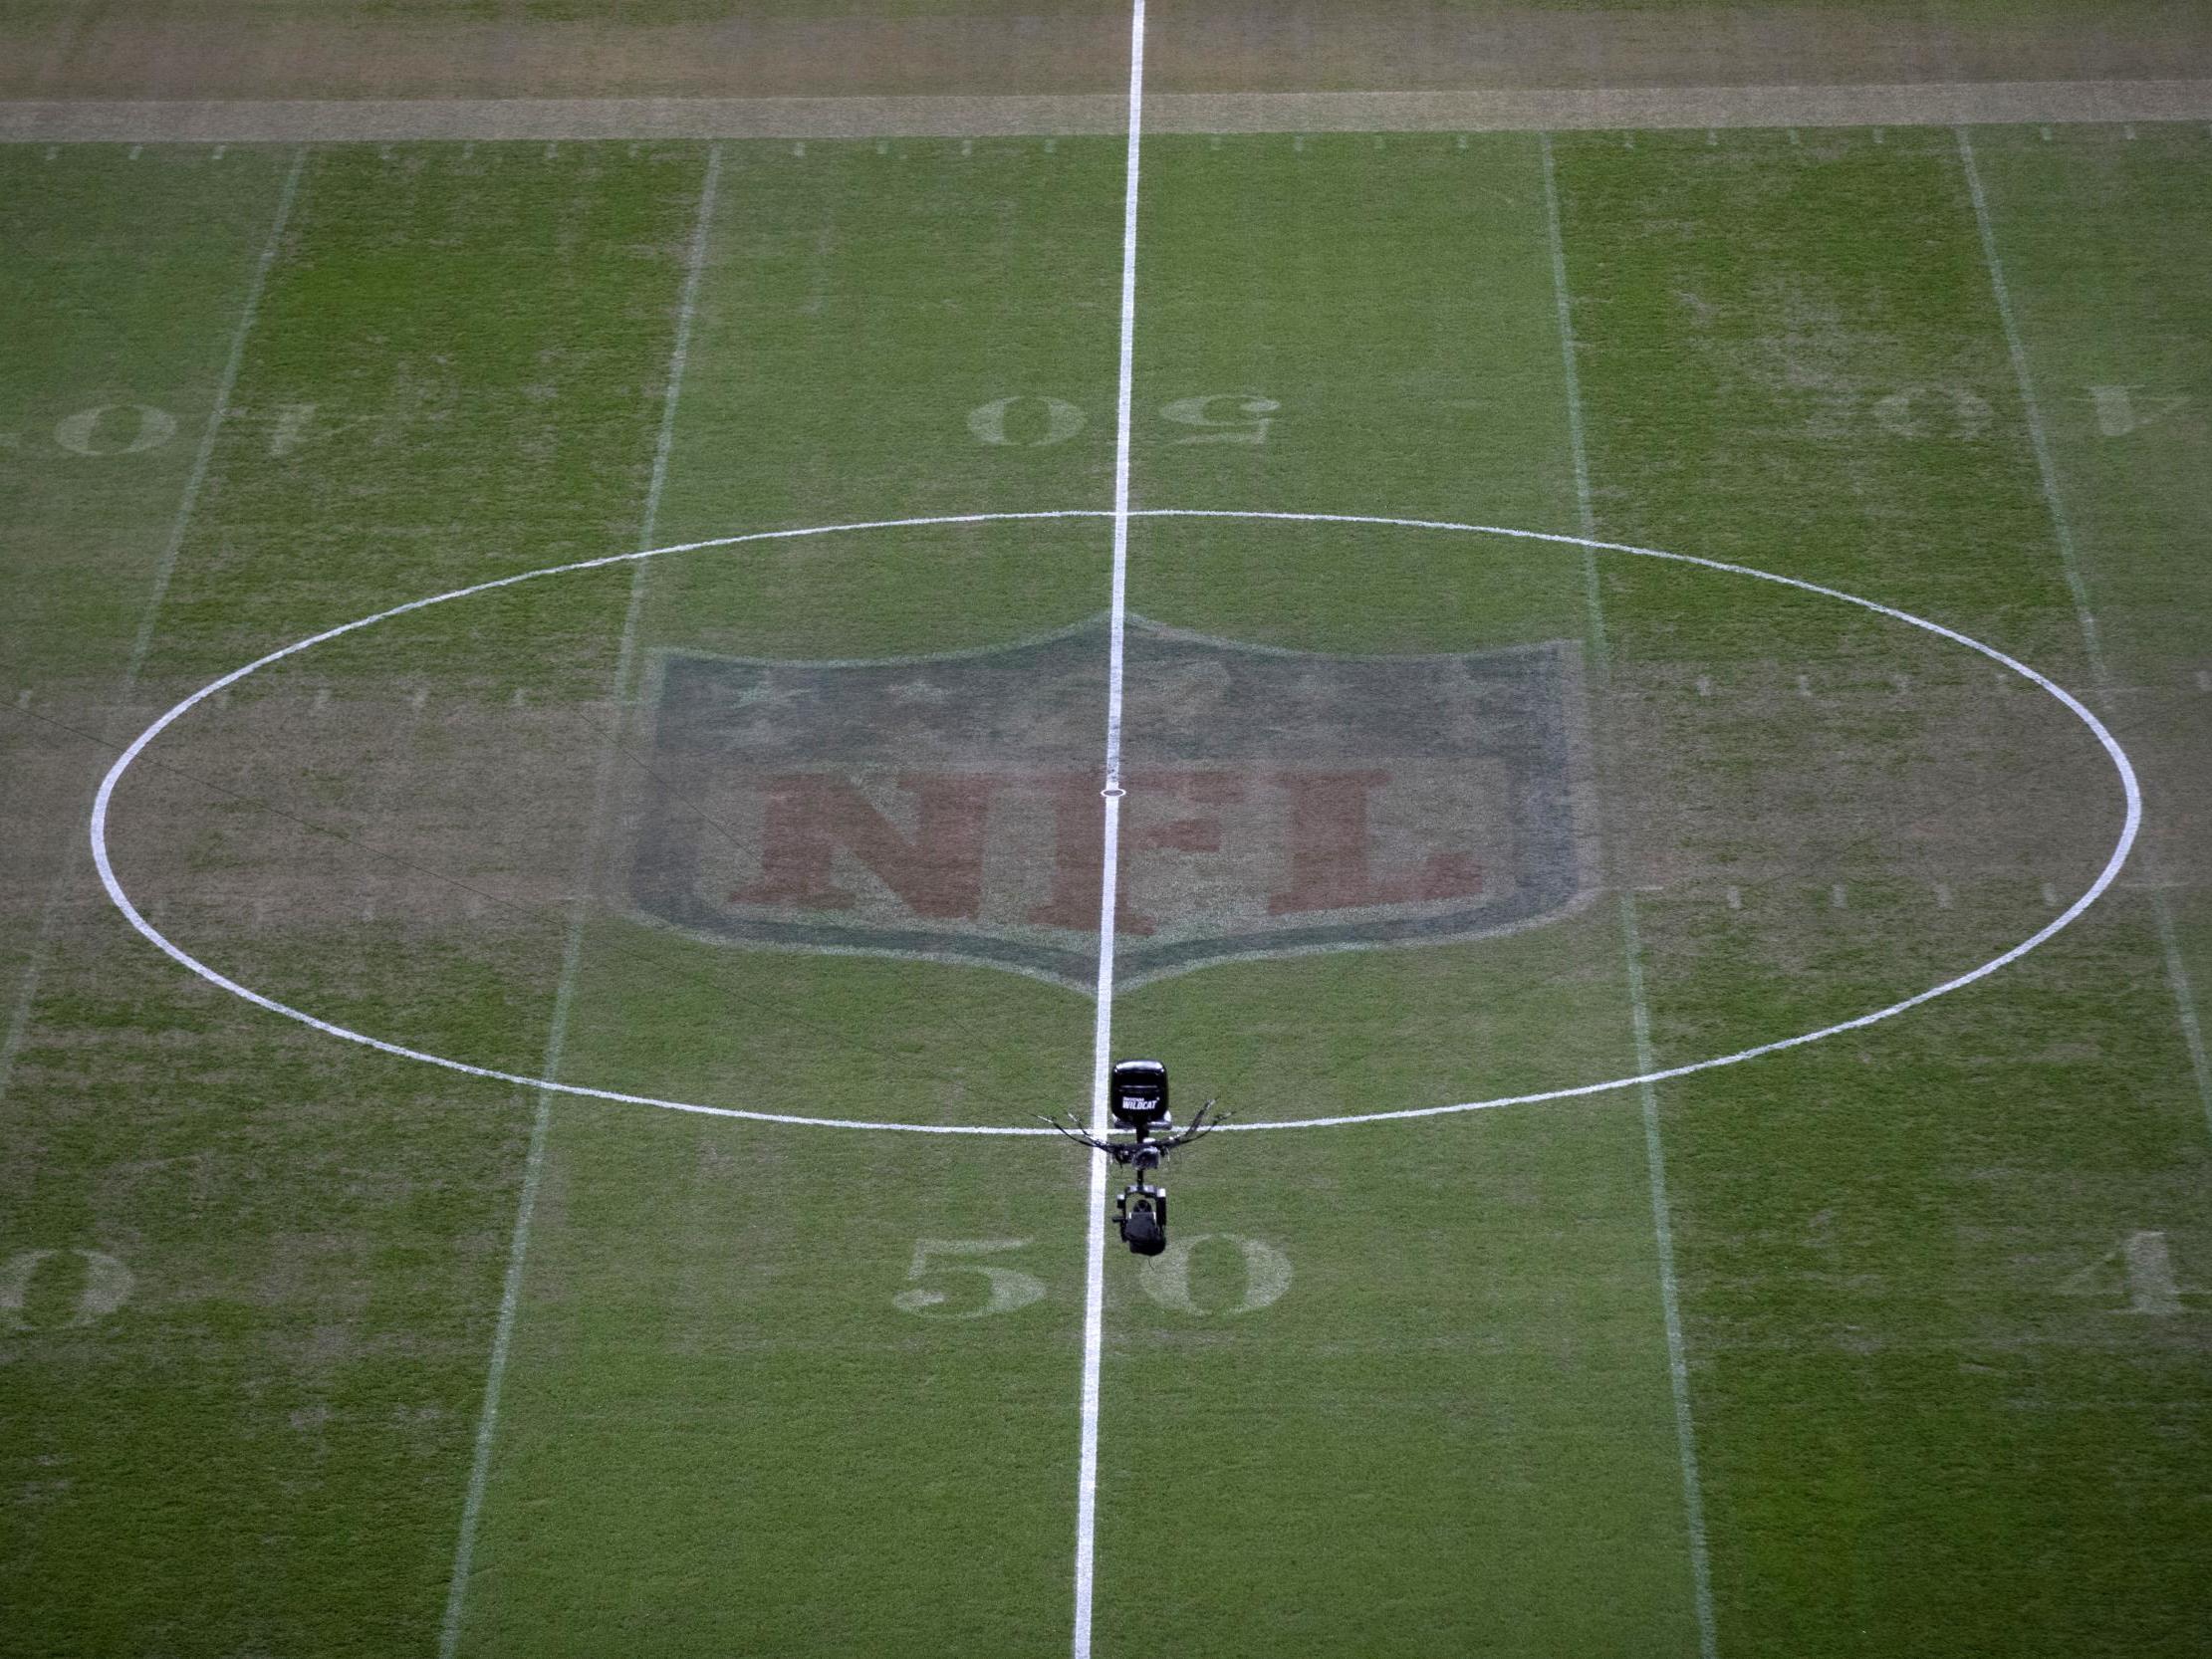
[102, 432]
[1029, 423]
[2141, 1270]
[1024, 422]
[1933, 412]
[1009, 1287]
[2120, 411]
[1166, 1277]
[1223, 417]
[289, 429]
[106, 1281]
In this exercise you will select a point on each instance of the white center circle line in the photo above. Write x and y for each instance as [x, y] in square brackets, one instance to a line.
[2123, 767]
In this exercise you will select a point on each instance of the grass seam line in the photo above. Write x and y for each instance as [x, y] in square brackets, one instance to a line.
[141, 642]
[1631, 944]
[1101, 1029]
[2062, 529]
[571, 954]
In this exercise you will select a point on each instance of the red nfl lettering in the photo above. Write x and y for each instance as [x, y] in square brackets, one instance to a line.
[1279, 802]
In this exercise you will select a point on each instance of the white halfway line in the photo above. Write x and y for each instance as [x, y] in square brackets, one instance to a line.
[1632, 948]
[1102, 1029]
[571, 955]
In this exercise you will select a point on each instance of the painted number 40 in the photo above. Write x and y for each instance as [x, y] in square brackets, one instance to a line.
[2136, 1278]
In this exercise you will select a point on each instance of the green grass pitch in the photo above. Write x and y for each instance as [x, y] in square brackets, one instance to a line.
[1893, 1343]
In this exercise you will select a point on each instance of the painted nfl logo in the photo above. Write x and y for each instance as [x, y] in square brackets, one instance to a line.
[1280, 802]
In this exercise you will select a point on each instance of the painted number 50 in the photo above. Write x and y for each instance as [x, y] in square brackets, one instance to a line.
[1029, 423]
[946, 1282]
[1004, 1289]
[1267, 1274]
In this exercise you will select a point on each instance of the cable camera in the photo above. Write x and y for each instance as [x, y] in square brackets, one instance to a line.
[1136, 1101]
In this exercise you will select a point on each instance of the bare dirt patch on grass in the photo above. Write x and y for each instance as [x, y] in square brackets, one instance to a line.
[1766, 775]
[396, 120]
[312, 811]
[1060, 71]
[157, 51]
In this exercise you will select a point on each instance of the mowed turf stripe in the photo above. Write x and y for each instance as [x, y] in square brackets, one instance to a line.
[1457, 1412]
[11, 1039]
[2108, 325]
[756, 1388]
[131, 336]
[2062, 528]
[127, 291]
[278, 1414]
[1631, 946]
[1918, 1377]
[572, 947]
[2099, 237]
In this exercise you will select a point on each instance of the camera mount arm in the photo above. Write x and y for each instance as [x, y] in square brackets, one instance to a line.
[1143, 1152]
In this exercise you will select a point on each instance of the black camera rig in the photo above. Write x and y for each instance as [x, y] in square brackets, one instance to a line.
[1136, 1100]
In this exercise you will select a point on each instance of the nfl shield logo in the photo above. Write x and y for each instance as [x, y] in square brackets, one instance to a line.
[947, 806]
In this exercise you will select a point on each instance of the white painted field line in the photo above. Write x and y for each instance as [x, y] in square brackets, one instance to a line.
[2062, 528]
[572, 953]
[1101, 1030]
[1631, 940]
[2047, 472]
[141, 642]
[95, 827]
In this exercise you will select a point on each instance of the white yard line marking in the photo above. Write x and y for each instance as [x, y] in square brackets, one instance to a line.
[1663, 1232]
[1631, 941]
[1101, 1029]
[2062, 528]
[141, 642]
[571, 954]
[2047, 472]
